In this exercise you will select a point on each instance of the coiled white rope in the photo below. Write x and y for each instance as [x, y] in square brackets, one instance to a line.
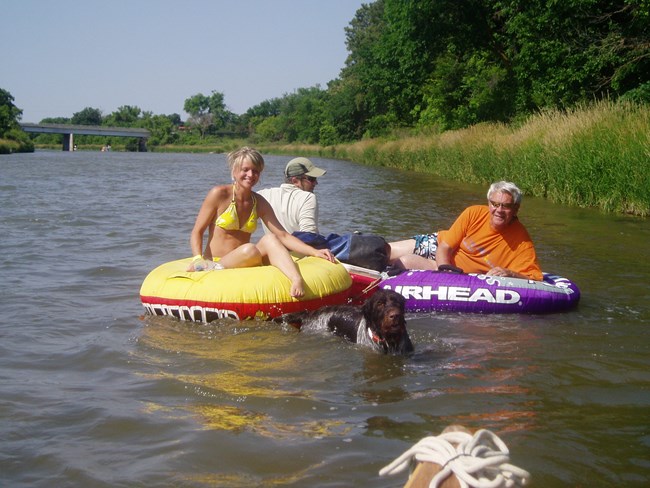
[478, 461]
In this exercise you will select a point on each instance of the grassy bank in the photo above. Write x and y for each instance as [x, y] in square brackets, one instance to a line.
[596, 156]
[8, 146]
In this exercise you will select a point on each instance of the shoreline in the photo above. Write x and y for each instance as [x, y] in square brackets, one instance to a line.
[591, 156]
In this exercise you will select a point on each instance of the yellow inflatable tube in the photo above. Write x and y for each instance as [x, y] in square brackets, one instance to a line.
[261, 292]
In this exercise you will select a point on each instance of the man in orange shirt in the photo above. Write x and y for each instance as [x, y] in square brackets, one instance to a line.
[484, 239]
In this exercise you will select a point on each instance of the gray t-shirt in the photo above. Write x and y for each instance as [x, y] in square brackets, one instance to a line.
[296, 209]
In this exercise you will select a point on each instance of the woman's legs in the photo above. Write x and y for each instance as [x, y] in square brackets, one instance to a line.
[245, 256]
[271, 248]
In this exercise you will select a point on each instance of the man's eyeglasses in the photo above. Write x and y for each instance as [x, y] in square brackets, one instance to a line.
[506, 206]
[312, 179]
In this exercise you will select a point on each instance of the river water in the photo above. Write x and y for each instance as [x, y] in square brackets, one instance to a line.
[94, 393]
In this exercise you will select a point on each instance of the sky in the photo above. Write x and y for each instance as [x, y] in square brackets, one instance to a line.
[58, 57]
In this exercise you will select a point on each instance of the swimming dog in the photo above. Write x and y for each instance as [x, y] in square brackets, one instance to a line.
[378, 323]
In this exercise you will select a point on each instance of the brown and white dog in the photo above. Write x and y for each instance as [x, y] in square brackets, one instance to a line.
[378, 323]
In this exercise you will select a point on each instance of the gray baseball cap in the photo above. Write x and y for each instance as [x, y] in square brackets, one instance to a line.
[302, 166]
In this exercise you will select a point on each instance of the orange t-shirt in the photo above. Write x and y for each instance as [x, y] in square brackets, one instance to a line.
[478, 247]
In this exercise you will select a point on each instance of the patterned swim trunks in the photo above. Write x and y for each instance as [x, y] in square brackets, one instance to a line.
[426, 245]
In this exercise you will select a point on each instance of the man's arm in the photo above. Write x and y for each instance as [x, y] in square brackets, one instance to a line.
[308, 214]
[524, 265]
[498, 271]
[444, 253]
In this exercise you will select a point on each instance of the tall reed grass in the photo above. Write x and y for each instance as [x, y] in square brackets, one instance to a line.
[590, 156]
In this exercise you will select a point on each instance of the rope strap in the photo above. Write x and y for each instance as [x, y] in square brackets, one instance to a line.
[372, 285]
[478, 461]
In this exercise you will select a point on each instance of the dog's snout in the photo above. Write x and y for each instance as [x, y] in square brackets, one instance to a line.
[395, 315]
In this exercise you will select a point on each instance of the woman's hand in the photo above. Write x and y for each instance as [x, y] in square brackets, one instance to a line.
[325, 254]
[197, 264]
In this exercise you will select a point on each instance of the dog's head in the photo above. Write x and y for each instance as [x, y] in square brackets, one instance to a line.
[384, 314]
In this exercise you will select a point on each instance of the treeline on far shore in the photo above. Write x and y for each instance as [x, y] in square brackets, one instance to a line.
[590, 156]
[595, 155]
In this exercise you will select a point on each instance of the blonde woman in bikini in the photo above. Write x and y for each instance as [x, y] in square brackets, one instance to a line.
[230, 214]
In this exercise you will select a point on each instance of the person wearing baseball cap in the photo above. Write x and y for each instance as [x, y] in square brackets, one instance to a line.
[302, 167]
[294, 201]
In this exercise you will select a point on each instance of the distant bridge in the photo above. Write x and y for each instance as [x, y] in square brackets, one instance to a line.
[69, 131]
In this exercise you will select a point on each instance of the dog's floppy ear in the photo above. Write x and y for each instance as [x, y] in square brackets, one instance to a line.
[398, 297]
[399, 300]
[370, 307]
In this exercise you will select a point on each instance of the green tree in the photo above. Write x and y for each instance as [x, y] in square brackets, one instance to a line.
[563, 53]
[303, 112]
[268, 108]
[15, 139]
[161, 128]
[328, 135]
[198, 107]
[450, 63]
[175, 119]
[357, 95]
[55, 120]
[344, 108]
[466, 89]
[88, 116]
[296, 117]
[217, 107]
[208, 113]
[124, 116]
[9, 113]
[271, 128]
[257, 114]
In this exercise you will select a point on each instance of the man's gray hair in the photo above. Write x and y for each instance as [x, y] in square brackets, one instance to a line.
[506, 187]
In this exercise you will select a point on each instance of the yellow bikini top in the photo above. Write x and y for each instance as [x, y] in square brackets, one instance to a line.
[229, 220]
